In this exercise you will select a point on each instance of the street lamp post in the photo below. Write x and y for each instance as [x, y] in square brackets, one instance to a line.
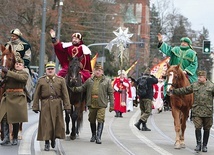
[59, 29]
[42, 40]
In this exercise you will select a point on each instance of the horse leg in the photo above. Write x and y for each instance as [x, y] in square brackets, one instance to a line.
[74, 119]
[67, 121]
[20, 131]
[1, 131]
[177, 125]
[11, 131]
[183, 127]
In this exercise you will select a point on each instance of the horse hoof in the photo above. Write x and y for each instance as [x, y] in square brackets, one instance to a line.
[183, 146]
[177, 145]
[67, 132]
[72, 137]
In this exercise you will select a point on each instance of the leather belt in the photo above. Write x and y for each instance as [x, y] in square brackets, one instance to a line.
[51, 97]
[94, 96]
[14, 90]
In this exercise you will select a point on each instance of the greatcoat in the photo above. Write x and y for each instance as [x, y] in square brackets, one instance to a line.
[14, 103]
[51, 98]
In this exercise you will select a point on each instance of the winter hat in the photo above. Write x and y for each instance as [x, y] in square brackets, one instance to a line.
[16, 32]
[98, 66]
[187, 40]
[123, 72]
[202, 73]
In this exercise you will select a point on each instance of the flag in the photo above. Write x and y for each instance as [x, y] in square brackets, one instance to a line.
[93, 61]
[159, 69]
[132, 66]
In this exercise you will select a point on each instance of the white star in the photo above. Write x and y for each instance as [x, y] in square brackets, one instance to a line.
[122, 38]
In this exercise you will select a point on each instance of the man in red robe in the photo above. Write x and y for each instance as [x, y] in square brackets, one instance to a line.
[122, 91]
[66, 51]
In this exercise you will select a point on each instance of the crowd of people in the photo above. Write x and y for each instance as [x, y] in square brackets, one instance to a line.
[121, 95]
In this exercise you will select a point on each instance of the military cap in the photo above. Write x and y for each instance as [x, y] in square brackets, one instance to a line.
[50, 64]
[187, 40]
[98, 66]
[16, 32]
[202, 73]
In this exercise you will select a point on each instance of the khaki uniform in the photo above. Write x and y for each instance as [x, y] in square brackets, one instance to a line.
[14, 101]
[54, 98]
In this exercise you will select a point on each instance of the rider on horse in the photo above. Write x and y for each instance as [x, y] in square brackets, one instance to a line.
[76, 48]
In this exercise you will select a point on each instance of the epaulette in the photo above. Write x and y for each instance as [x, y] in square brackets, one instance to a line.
[41, 77]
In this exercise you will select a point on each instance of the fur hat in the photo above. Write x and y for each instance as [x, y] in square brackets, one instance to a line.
[50, 64]
[77, 35]
[16, 32]
[20, 60]
[202, 73]
[123, 72]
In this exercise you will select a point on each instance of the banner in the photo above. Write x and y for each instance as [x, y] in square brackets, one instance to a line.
[93, 61]
[132, 66]
[160, 69]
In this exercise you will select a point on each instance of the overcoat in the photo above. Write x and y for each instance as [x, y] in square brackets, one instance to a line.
[51, 98]
[14, 103]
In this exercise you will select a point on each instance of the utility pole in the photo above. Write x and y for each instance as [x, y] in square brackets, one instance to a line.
[42, 40]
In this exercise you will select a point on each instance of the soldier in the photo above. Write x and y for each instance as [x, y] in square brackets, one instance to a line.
[13, 105]
[51, 90]
[202, 108]
[99, 92]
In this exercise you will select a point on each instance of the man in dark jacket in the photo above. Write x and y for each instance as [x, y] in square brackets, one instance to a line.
[146, 100]
[202, 108]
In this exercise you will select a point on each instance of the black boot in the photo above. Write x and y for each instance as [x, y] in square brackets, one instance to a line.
[93, 131]
[144, 128]
[198, 139]
[5, 128]
[205, 140]
[120, 114]
[53, 143]
[15, 133]
[117, 114]
[99, 133]
[47, 145]
[138, 124]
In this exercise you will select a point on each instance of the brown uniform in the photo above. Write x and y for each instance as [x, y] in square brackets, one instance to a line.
[53, 95]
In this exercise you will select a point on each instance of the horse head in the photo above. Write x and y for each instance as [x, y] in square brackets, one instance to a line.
[8, 58]
[175, 77]
[74, 71]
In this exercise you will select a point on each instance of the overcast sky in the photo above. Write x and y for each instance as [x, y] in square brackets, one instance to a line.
[199, 13]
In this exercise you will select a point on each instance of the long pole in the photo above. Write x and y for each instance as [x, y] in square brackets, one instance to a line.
[42, 40]
[59, 29]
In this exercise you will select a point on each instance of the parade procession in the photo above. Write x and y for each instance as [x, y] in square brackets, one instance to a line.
[106, 77]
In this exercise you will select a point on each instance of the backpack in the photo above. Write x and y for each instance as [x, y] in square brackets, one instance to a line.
[142, 86]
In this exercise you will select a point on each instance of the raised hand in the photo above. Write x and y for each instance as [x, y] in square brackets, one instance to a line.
[52, 33]
[160, 38]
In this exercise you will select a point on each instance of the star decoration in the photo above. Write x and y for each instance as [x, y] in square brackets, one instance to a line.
[122, 38]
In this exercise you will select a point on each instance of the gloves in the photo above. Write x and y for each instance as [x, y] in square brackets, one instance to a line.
[36, 111]
[111, 109]
[119, 91]
[4, 69]
[68, 111]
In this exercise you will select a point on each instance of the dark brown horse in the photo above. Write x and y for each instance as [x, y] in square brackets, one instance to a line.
[7, 60]
[180, 104]
[73, 79]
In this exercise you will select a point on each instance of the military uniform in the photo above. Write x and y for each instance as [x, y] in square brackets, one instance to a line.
[13, 105]
[99, 92]
[53, 95]
[202, 108]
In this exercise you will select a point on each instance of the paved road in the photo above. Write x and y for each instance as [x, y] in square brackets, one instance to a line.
[120, 137]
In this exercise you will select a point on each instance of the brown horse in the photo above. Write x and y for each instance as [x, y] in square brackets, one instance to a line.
[180, 104]
[7, 60]
[73, 79]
